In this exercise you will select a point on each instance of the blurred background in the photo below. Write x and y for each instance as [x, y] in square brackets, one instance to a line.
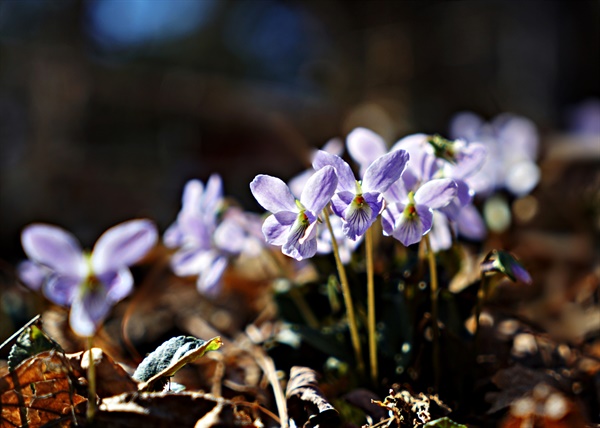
[107, 107]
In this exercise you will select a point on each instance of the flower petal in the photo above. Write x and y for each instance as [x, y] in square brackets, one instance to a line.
[210, 278]
[230, 236]
[188, 261]
[61, 289]
[408, 230]
[384, 171]
[469, 161]
[213, 194]
[191, 201]
[365, 146]
[346, 179]
[118, 284]
[436, 193]
[340, 201]
[123, 245]
[55, 248]
[276, 229]
[359, 217]
[440, 235]
[390, 216]
[32, 274]
[301, 242]
[319, 189]
[470, 223]
[88, 311]
[272, 194]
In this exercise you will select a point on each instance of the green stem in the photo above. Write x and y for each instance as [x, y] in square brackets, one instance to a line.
[347, 297]
[371, 304]
[434, 312]
[91, 409]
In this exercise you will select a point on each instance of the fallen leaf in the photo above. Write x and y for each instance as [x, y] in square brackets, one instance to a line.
[306, 401]
[39, 391]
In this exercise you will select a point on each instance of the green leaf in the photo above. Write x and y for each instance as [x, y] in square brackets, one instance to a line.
[171, 356]
[444, 422]
[30, 342]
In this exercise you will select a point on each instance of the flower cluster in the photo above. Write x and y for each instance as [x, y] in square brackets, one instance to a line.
[206, 236]
[420, 179]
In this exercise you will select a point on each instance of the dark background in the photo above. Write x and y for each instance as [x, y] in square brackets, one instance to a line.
[108, 107]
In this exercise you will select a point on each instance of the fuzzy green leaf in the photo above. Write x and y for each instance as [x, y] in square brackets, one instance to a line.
[444, 422]
[171, 356]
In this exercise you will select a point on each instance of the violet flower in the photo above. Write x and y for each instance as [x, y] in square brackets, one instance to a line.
[409, 214]
[193, 235]
[358, 203]
[90, 283]
[293, 222]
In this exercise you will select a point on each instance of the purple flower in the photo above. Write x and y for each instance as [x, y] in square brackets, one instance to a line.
[90, 283]
[193, 234]
[358, 203]
[293, 222]
[512, 144]
[409, 215]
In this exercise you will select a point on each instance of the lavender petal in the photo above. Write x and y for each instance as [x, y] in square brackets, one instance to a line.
[365, 146]
[88, 311]
[61, 289]
[118, 284]
[384, 171]
[346, 179]
[319, 189]
[436, 193]
[123, 245]
[272, 194]
[55, 248]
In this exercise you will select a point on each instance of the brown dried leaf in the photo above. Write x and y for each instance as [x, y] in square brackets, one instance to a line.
[305, 399]
[39, 391]
[111, 378]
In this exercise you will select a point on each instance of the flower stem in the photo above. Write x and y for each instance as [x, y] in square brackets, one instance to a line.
[347, 297]
[434, 312]
[371, 304]
[91, 409]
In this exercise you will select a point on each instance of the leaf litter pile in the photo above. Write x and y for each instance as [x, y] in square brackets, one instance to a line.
[274, 348]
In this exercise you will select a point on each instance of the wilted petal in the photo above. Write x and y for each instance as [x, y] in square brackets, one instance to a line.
[32, 274]
[346, 179]
[272, 194]
[319, 189]
[118, 284]
[210, 278]
[123, 245]
[365, 146]
[436, 193]
[275, 231]
[88, 311]
[385, 171]
[61, 289]
[55, 248]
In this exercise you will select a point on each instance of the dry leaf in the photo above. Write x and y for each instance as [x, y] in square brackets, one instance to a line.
[305, 399]
[39, 391]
